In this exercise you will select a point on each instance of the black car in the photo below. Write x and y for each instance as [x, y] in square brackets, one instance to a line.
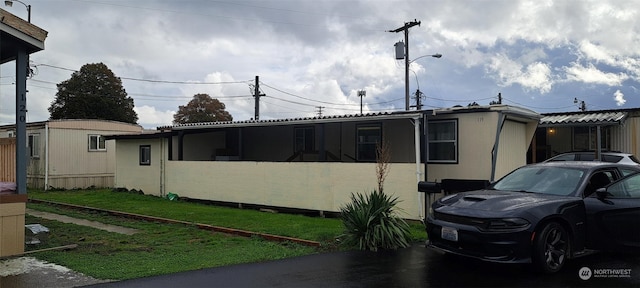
[543, 214]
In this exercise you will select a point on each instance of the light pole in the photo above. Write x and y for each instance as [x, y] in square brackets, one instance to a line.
[9, 3]
[437, 55]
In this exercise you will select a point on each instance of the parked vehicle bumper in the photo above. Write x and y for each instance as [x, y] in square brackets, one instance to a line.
[503, 247]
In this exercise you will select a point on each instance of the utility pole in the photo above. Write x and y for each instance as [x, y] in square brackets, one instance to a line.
[257, 94]
[405, 29]
[361, 94]
[582, 106]
[320, 110]
[418, 96]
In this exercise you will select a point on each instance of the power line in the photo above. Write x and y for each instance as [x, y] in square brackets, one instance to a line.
[157, 81]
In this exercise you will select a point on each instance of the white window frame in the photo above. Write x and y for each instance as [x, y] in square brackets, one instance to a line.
[100, 143]
[145, 155]
[33, 143]
[436, 140]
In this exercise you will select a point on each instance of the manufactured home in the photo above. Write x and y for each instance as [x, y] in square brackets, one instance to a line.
[317, 163]
[68, 154]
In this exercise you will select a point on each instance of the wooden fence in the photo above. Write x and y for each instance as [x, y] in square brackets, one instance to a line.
[7, 159]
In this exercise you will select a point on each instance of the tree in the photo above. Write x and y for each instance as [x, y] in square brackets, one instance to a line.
[94, 92]
[202, 108]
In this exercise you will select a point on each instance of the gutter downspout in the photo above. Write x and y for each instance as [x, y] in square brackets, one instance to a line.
[416, 137]
[46, 155]
[496, 144]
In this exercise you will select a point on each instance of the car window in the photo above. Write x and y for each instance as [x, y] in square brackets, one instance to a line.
[564, 157]
[598, 180]
[626, 172]
[544, 180]
[627, 188]
[587, 156]
[611, 158]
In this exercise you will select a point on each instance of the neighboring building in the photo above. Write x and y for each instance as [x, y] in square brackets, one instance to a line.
[317, 163]
[71, 154]
[619, 130]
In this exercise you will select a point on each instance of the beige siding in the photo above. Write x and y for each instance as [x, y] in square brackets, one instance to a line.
[131, 175]
[304, 185]
[476, 135]
[512, 150]
[626, 137]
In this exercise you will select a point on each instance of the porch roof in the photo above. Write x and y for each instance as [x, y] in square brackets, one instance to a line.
[595, 118]
[294, 121]
[515, 112]
[18, 35]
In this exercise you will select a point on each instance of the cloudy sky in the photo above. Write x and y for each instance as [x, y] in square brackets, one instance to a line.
[315, 55]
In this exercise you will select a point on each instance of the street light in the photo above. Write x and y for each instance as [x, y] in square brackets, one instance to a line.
[437, 55]
[9, 3]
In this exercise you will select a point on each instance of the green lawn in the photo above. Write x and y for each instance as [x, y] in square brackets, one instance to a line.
[166, 248]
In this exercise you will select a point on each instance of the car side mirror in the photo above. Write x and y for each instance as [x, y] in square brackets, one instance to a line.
[602, 193]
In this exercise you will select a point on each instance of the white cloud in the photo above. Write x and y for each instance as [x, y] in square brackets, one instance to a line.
[591, 74]
[534, 76]
[619, 98]
[149, 117]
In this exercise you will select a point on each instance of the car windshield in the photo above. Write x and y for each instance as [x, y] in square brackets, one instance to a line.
[546, 180]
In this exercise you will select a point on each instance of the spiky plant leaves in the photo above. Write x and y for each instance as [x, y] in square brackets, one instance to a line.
[371, 223]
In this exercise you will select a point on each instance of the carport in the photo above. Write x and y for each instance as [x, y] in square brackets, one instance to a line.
[18, 39]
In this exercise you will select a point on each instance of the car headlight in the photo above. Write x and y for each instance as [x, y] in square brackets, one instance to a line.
[506, 224]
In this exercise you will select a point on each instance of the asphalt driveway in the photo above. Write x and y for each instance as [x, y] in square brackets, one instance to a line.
[416, 266]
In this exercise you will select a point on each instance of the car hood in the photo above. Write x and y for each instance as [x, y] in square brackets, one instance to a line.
[496, 200]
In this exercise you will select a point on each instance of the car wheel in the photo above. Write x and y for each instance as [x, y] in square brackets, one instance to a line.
[551, 248]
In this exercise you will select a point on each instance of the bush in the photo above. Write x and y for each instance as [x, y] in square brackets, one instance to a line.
[371, 223]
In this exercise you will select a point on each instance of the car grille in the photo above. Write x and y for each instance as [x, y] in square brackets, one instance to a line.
[461, 219]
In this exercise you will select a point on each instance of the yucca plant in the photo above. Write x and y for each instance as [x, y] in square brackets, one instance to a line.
[371, 223]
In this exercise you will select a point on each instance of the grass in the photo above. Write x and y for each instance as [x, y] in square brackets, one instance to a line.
[168, 248]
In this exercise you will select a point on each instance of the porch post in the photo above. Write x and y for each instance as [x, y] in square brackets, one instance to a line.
[598, 144]
[21, 121]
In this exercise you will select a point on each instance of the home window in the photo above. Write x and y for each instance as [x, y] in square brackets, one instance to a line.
[584, 138]
[97, 143]
[34, 145]
[304, 139]
[443, 141]
[145, 154]
[368, 136]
